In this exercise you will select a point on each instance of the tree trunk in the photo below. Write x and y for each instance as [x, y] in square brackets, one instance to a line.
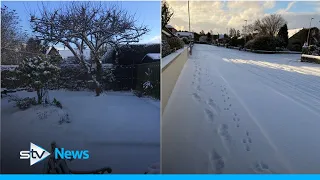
[39, 94]
[98, 76]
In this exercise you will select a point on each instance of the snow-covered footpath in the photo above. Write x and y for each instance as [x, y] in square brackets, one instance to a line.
[240, 112]
[120, 131]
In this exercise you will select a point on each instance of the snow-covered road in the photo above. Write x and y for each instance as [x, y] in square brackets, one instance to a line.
[239, 112]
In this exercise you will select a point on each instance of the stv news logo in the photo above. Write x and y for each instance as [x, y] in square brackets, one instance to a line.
[37, 154]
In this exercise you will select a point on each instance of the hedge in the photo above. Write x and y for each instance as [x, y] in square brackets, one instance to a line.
[267, 43]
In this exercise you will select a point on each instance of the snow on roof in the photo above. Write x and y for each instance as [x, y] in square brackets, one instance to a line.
[185, 34]
[154, 56]
[48, 51]
[292, 32]
[169, 26]
[221, 36]
[67, 53]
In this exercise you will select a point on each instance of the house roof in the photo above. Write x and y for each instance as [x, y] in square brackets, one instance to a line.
[50, 48]
[185, 34]
[167, 32]
[169, 26]
[153, 56]
[67, 53]
[47, 52]
[292, 32]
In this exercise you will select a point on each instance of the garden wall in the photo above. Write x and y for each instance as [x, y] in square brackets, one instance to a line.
[310, 58]
[171, 68]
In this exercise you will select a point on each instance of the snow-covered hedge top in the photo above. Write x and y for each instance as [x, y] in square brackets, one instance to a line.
[8, 67]
[311, 56]
[13, 67]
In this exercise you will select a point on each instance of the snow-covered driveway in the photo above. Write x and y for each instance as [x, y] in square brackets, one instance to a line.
[119, 130]
[239, 112]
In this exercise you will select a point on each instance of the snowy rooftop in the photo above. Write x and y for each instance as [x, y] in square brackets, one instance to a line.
[292, 32]
[169, 26]
[185, 34]
[67, 53]
[47, 52]
[154, 56]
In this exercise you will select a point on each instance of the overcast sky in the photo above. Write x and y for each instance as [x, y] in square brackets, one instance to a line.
[220, 15]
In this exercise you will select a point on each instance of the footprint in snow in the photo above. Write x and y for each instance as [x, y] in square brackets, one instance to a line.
[217, 162]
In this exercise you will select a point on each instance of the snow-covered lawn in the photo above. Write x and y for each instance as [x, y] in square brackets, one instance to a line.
[240, 112]
[120, 130]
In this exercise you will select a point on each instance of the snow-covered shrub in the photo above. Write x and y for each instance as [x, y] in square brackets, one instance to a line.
[147, 85]
[305, 50]
[311, 50]
[38, 73]
[185, 40]
[57, 103]
[175, 43]
[166, 50]
[23, 103]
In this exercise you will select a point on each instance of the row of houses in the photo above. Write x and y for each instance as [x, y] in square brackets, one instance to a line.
[170, 31]
[127, 55]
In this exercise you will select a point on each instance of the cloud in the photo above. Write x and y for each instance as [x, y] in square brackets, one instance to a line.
[269, 4]
[218, 16]
[281, 11]
[215, 15]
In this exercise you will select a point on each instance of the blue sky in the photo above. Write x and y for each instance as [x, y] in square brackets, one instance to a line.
[219, 16]
[148, 16]
[297, 6]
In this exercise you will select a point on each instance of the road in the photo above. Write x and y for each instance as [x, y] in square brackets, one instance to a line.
[240, 112]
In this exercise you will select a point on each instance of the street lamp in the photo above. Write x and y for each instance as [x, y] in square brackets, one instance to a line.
[309, 31]
[245, 32]
[189, 15]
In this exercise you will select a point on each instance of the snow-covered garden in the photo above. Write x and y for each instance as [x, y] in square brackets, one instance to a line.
[119, 129]
[44, 98]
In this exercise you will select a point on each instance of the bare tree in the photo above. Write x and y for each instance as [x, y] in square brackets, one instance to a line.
[232, 32]
[88, 25]
[249, 30]
[12, 36]
[269, 25]
[166, 14]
